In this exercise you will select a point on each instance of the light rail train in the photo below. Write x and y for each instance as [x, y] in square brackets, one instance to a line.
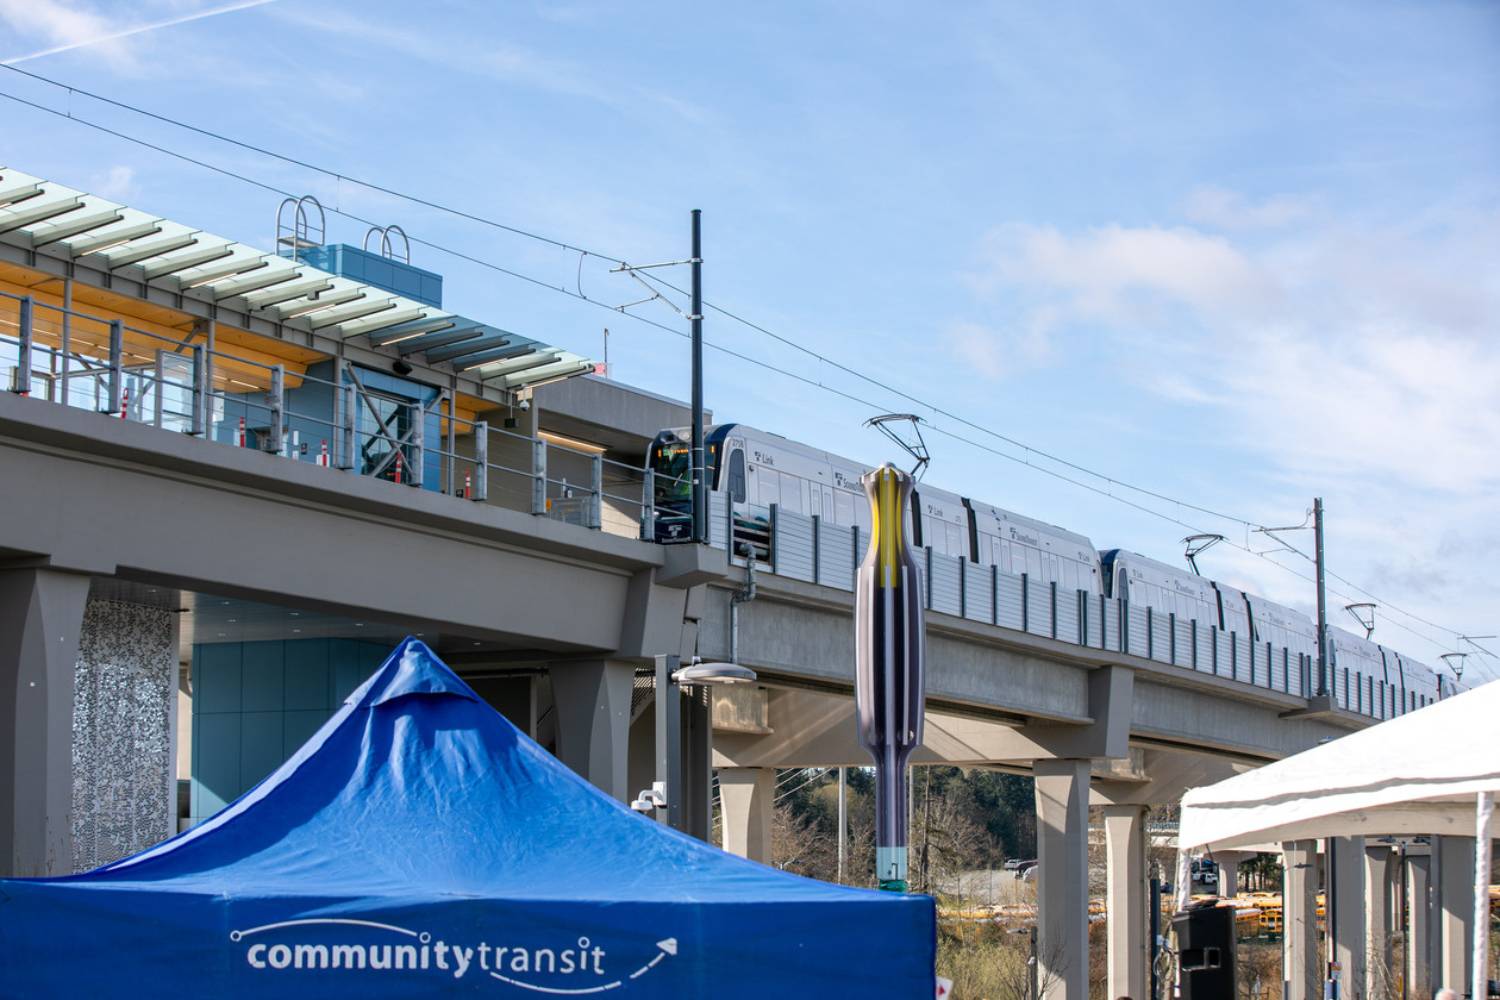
[758, 469]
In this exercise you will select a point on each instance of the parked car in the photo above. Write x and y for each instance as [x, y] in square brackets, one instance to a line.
[1025, 869]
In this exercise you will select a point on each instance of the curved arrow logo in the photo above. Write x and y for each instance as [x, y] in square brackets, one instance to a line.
[664, 947]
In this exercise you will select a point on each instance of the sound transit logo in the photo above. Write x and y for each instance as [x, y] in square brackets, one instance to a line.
[575, 967]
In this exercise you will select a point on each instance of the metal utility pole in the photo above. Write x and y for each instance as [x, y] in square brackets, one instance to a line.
[700, 480]
[1322, 597]
[843, 839]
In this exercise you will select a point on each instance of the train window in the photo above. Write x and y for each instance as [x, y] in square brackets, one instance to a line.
[955, 540]
[843, 507]
[770, 487]
[737, 475]
[791, 493]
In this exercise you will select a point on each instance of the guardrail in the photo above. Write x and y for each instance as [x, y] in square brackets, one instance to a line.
[808, 548]
[351, 419]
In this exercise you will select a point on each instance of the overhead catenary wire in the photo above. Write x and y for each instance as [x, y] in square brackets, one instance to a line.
[585, 251]
[577, 295]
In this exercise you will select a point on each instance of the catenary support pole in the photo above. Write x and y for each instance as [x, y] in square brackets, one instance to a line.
[843, 838]
[700, 478]
[1323, 686]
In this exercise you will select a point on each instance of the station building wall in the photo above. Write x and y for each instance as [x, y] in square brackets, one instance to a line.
[255, 703]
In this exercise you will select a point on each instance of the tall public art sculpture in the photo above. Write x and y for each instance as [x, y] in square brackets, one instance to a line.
[890, 650]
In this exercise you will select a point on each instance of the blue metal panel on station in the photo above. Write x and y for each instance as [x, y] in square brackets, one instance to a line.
[373, 269]
[255, 703]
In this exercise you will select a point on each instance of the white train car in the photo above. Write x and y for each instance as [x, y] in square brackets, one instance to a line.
[1145, 582]
[1018, 544]
[1354, 661]
[758, 469]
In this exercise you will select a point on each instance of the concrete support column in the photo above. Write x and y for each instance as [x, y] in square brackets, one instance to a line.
[1229, 870]
[746, 804]
[1421, 931]
[1062, 808]
[1125, 901]
[1380, 978]
[41, 614]
[1348, 866]
[1229, 873]
[1302, 967]
[1454, 879]
[592, 699]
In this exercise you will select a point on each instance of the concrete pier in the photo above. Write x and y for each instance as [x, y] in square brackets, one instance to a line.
[747, 804]
[1126, 900]
[41, 615]
[1062, 827]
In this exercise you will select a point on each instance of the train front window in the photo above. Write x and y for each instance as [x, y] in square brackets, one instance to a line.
[672, 464]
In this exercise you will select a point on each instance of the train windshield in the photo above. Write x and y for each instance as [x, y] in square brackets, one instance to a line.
[672, 464]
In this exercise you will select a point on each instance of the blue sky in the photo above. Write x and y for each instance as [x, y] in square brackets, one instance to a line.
[1238, 254]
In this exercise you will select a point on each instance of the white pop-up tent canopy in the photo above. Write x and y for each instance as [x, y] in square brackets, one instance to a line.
[1430, 772]
[1418, 773]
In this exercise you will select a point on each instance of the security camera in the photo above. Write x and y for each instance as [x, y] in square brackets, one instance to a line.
[525, 405]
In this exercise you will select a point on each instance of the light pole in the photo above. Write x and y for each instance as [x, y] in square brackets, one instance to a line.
[667, 796]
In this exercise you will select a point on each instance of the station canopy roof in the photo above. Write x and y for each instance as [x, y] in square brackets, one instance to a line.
[39, 214]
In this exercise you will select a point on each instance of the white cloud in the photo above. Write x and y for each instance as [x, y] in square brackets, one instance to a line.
[117, 184]
[56, 23]
[1221, 209]
[999, 353]
[1343, 357]
[1121, 273]
[494, 58]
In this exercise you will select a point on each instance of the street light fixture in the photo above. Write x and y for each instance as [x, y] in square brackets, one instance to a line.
[667, 797]
[698, 672]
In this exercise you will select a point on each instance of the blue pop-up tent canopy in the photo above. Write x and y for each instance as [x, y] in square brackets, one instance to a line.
[420, 844]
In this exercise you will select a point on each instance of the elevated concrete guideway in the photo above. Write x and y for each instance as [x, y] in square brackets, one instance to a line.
[101, 498]
[1049, 693]
[106, 497]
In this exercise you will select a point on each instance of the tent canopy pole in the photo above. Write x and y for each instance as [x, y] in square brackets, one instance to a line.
[1484, 812]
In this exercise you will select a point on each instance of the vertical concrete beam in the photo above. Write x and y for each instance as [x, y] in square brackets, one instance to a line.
[1349, 898]
[1302, 967]
[746, 803]
[1229, 874]
[592, 699]
[1421, 930]
[1455, 912]
[1125, 900]
[1062, 807]
[1380, 978]
[41, 614]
